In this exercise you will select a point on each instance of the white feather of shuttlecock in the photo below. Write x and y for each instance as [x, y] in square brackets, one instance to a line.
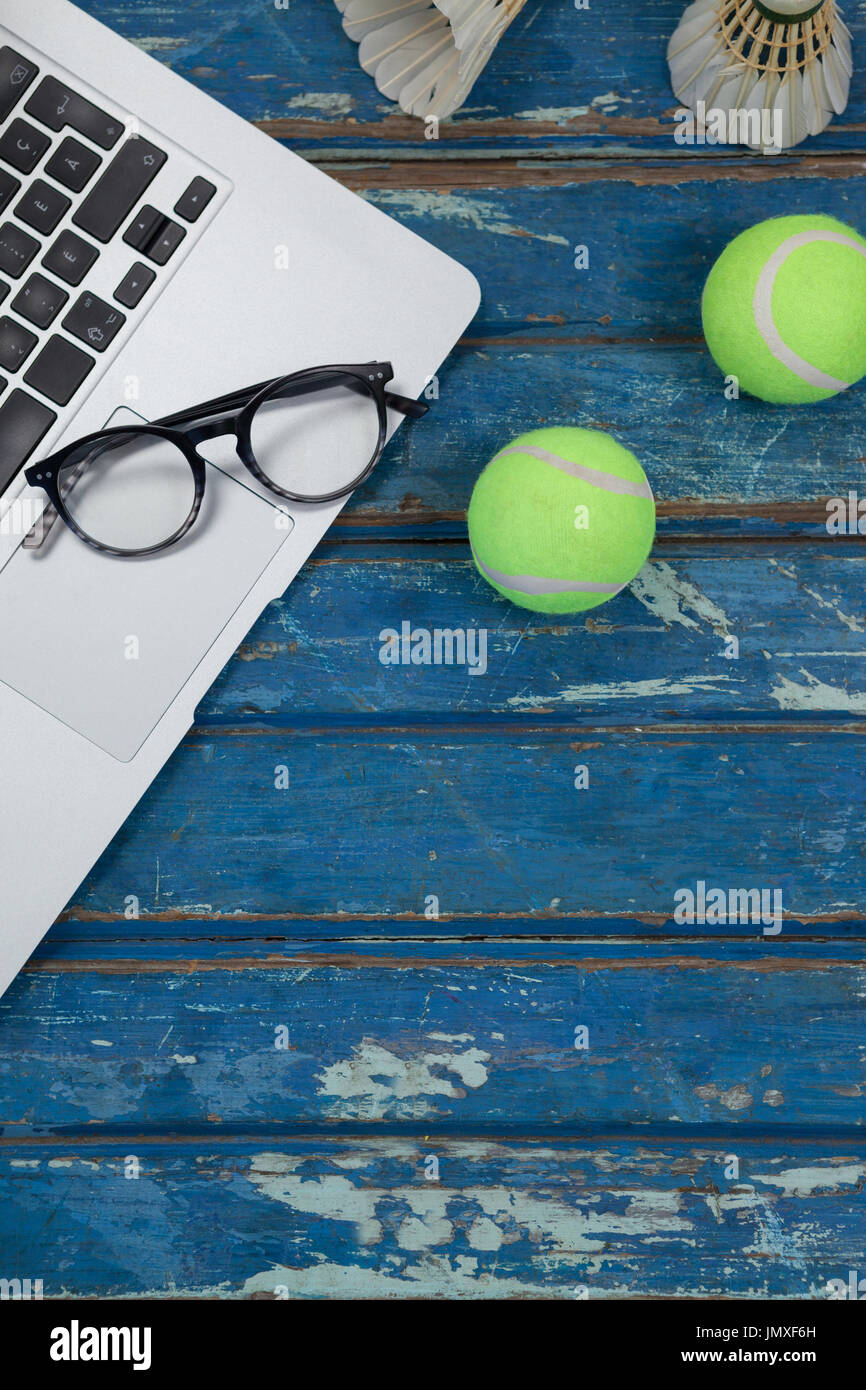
[806, 94]
[427, 56]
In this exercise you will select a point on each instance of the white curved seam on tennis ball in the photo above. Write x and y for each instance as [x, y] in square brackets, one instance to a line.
[608, 482]
[763, 308]
[534, 584]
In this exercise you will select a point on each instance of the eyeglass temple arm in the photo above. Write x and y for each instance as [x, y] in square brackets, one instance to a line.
[415, 409]
[236, 400]
[41, 529]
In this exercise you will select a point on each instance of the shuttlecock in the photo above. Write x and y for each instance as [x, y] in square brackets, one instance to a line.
[777, 72]
[425, 55]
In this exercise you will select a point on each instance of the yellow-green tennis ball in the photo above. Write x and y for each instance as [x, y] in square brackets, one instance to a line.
[561, 520]
[785, 309]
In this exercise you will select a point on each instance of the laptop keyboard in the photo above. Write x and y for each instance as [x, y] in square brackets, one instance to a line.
[72, 180]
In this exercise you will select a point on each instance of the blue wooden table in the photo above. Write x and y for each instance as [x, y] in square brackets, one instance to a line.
[337, 991]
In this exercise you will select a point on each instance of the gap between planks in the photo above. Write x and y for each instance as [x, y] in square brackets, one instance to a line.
[494, 727]
[340, 1133]
[405, 137]
[446, 176]
[596, 934]
[787, 512]
[780, 514]
[347, 960]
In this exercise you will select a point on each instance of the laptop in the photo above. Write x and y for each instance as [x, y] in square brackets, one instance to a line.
[155, 252]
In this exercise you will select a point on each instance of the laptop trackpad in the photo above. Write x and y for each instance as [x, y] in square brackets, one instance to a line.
[105, 644]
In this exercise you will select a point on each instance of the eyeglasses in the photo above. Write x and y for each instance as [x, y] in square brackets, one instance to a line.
[310, 437]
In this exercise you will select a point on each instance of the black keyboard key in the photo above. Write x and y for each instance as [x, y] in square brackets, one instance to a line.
[40, 301]
[143, 227]
[16, 74]
[23, 422]
[156, 236]
[17, 250]
[22, 146]
[4, 290]
[72, 164]
[59, 370]
[94, 321]
[42, 207]
[16, 344]
[70, 258]
[116, 193]
[168, 238]
[8, 188]
[191, 204]
[57, 106]
[3, 384]
[135, 283]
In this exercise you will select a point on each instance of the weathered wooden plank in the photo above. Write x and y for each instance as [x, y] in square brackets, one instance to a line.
[313, 1219]
[774, 1043]
[651, 243]
[489, 821]
[561, 79]
[657, 652]
[761, 469]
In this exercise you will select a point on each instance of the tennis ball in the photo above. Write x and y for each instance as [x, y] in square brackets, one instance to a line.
[784, 309]
[561, 520]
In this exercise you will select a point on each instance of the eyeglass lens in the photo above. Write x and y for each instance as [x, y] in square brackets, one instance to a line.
[318, 442]
[132, 492]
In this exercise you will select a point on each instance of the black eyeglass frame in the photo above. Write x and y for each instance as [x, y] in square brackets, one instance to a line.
[229, 414]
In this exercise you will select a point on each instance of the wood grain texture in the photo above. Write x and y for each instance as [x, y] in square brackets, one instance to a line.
[646, 273]
[373, 822]
[358, 1219]
[755, 1038]
[798, 616]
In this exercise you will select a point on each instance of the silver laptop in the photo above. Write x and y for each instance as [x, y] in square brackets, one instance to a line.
[156, 252]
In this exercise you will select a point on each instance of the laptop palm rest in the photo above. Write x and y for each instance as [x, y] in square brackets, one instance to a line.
[104, 644]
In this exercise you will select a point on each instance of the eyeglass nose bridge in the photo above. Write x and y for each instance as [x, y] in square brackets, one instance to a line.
[213, 429]
[229, 424]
